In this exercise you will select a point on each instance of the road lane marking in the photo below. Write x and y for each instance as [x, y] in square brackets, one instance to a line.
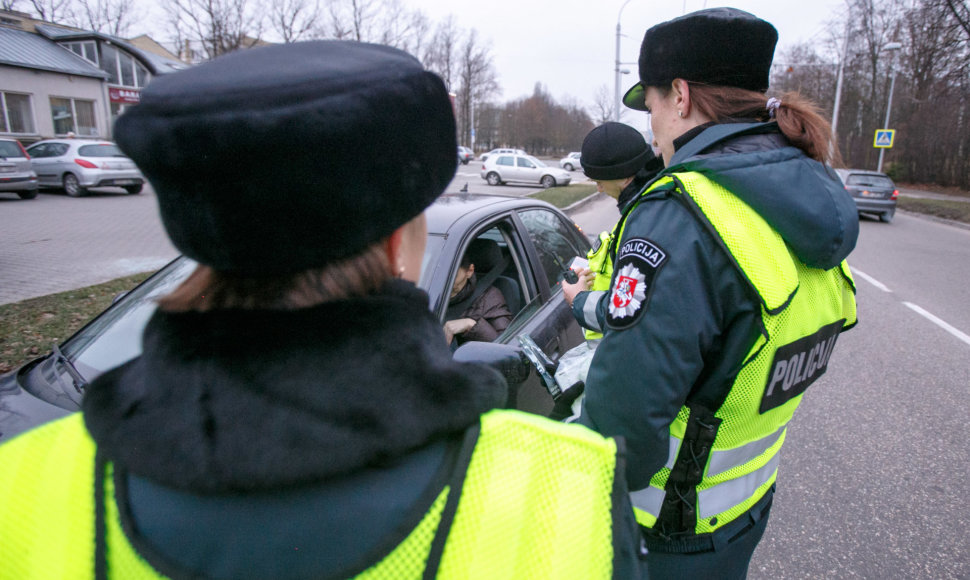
[870, 280]
[938, 322]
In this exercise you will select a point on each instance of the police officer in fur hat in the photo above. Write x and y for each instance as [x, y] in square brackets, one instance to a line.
[729, 290]
[296, 412]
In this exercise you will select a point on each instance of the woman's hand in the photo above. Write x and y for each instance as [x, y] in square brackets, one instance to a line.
[458, 326]
[570, 291]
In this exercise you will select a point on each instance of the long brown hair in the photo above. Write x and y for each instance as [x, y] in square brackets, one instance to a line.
[798, 118]
[210, 289]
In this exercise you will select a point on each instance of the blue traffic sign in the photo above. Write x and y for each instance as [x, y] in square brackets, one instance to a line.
[884, 138]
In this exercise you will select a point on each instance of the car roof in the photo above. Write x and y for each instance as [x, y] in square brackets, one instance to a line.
[451, 207]
[860, 172]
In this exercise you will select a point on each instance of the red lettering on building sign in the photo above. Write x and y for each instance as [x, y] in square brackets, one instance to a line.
[126, 96]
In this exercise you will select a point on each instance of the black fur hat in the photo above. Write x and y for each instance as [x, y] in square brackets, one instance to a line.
[284, 158]
[614, 151]
[717, 46]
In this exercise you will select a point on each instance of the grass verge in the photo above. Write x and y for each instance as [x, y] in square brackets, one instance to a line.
[951, 210]
[30, 327]
[565, 196]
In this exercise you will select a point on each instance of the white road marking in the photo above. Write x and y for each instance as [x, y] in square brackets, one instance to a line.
[871, 280]
[938, 322]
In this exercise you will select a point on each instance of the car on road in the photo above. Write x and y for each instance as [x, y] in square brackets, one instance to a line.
[536, 242]
[77, 165]
[465, 155]
[514, 168]
[873, 192]
[16, 174]
[485, 156]
[571, 161]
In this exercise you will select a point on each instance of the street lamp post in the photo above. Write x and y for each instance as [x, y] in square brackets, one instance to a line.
[618, 72]
[892, 46]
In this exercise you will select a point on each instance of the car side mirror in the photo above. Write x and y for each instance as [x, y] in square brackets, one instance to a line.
[506, 359]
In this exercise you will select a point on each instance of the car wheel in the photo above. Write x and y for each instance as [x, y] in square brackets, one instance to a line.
[493, 179]
[133, 189]
[464, 162]
[548, 181]
[887, 218]
[72, 186]
[568, 167]
[27, 194]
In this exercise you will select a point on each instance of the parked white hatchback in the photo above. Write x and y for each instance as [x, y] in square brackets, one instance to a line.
[571, 161]
[509, 168]
[78, 164]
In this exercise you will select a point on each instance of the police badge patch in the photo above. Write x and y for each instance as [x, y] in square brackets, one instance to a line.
[637, 263]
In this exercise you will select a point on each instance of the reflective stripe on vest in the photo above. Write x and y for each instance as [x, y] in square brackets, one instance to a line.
[500, 530]
[797, 302]
[600, 265]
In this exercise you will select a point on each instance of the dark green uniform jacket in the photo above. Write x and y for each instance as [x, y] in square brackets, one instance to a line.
[686, 337]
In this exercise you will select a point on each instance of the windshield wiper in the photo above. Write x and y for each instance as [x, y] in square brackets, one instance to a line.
[77, 379]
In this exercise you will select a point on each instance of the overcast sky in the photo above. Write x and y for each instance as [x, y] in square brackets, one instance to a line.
[570, 45]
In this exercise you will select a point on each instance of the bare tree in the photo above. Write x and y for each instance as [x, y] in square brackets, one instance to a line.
[604, 107]
[113, 17]
[292, 20]
[477, 82]
[218, 26]
[9, 5]
[441, 54]
[961, 12]
[51, 10]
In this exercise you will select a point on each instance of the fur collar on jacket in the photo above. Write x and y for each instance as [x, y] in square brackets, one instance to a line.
[248, 400]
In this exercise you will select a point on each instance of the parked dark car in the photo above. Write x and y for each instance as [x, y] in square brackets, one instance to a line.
[536, 240]
[16, 174]
[465, 155]
[872, 191]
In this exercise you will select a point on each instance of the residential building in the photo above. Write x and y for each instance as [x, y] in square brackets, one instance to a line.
[57, 80]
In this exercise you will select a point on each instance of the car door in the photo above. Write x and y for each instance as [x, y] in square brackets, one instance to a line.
[527, 170]
[551, 242]
[40, 162]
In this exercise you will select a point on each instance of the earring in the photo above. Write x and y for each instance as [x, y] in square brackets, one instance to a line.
[680, 114]
[400, 272]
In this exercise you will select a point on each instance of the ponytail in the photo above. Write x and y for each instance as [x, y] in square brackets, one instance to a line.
[798, 118]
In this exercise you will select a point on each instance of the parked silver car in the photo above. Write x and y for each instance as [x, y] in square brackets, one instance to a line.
[75, 165]
[16, 174]
[485, 156]
[503, 168]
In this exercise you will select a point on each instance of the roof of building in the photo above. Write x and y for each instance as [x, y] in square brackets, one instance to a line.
[155, 62]
[24, 49]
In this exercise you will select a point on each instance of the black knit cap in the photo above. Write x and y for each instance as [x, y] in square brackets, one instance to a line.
[716, 46]
[284, 158]
[614, 151]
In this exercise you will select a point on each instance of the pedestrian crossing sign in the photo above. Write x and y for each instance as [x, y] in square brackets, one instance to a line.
[884, 138]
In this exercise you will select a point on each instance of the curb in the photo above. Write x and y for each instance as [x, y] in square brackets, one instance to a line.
[934, 218]
[576, 205]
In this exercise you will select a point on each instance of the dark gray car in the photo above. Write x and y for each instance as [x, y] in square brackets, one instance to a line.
[872, 191]
[16, 174]
[536, 242]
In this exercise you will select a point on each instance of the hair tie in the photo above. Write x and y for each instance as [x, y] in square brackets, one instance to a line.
[772, 107]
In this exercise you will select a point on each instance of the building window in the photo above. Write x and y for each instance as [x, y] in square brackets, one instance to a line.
[122, 69]
[73, 116]
[87, 50]
[17, 114]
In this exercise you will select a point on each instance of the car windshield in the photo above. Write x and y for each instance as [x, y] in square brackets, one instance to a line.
[869, 180]
[100, 150]
[9, 149]
[106, 341]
